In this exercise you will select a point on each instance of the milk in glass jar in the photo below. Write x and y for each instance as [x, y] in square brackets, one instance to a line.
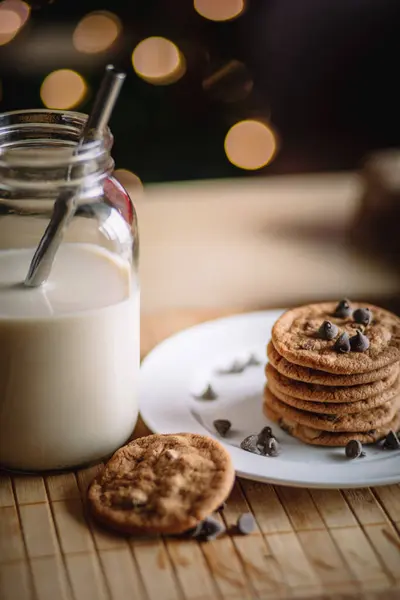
[69, 349]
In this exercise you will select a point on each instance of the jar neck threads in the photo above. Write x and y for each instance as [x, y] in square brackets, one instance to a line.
[37, 161]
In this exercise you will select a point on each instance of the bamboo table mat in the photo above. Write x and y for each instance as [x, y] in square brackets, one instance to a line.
[308, 543]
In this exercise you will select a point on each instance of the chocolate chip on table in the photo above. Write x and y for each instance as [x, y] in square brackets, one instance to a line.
[343, 309]
[328, 331]
[342, 344]
[210, 529]
[359, 342]
[392, 442]
[363, 316]
[207, 394]
[222, 426]
[250, 444]
[222, 507]
[246, 523]
[354, 449]
[193, 532]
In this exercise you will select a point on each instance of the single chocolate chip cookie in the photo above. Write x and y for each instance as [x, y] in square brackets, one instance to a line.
[296, 336]
[309, 375]
[323, 393]
[318, 437]
[162, 484]
[374, 418]
[336, 408]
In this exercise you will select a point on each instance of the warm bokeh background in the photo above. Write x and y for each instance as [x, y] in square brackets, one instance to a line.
[316, 79]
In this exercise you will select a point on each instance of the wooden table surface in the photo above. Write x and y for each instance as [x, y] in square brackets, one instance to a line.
[308, 543]
[255, 242]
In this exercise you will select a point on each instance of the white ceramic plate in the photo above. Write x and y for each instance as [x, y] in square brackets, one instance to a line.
[181, 366]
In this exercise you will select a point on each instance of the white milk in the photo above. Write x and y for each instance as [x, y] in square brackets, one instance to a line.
[69, 359]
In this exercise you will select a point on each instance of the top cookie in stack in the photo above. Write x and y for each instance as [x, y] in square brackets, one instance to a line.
[333, 373]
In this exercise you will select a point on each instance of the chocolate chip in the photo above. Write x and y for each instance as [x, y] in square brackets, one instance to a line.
[250, 444]
[354, 449]
[253, 361]
[328, 331]
[363, 316]
[359, 342]
[342, 344]
[207, 394]
[246, 523]
[270, 447]
[210, 529]
[264, 435]
[235, 368]
[343, 309]
[392, 441]
[193, 532]
[267, 443]
[222, 507]
[222, 426]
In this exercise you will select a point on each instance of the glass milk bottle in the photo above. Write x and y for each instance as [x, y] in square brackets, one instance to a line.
[69, 350]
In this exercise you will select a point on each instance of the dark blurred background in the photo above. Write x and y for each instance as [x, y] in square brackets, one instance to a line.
[317, 79]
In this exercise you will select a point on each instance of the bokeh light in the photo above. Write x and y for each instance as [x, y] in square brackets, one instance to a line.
[63, 89]
[13, 16]
[130, 181]
[219, 10]
[158, 61]
[96, 32]
[250, 144]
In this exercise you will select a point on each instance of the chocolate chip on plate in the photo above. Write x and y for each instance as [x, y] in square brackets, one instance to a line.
[343, 309]
[210, 529]
[264, 434]
[250, 444]
[354, 449]
[362, 316]
[207, 394]
[392, 441]
[342, 344]
[234, 368]
[359, 342]
[253, 361]
[237, 367]
[246, 523]
[222, 426]
[270, 447]
[328, 331]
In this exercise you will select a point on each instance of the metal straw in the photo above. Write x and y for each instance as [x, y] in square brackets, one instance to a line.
[65, 205]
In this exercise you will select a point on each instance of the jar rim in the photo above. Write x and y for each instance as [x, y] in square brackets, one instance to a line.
[17, 154]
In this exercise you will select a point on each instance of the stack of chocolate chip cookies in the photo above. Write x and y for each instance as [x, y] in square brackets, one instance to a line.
[333, 373]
